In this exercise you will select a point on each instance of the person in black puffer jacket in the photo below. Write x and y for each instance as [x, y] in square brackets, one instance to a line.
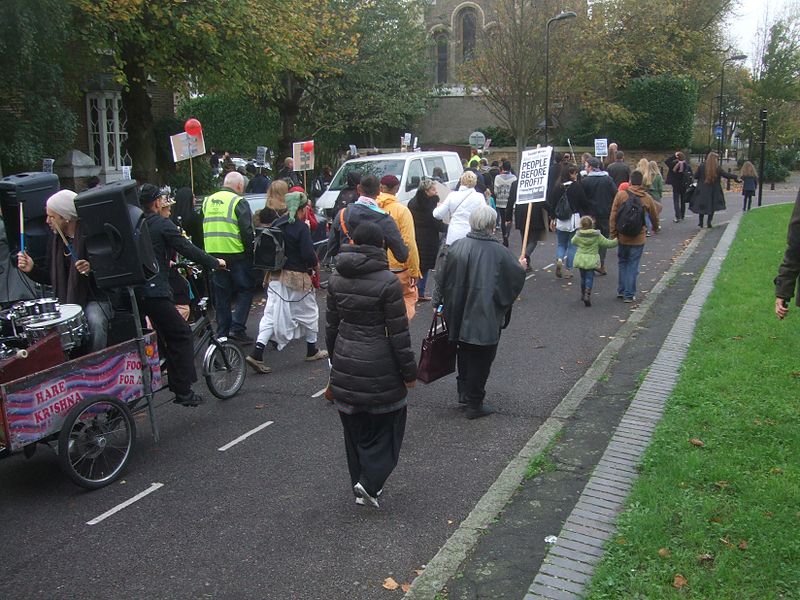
[372, 362]
[427, 230]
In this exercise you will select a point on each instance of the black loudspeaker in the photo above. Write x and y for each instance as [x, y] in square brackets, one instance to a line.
[32, 191]
[117, 239]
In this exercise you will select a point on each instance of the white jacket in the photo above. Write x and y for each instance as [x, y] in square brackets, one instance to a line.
[455, 211]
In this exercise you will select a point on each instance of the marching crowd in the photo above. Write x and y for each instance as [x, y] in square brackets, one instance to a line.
[384, 254]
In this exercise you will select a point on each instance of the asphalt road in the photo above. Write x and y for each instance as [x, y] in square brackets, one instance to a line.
[273, 517]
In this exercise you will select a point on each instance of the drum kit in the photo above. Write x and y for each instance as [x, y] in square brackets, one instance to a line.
[29, 321]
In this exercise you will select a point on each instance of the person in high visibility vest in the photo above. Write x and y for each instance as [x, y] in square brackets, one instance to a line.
[228, 234]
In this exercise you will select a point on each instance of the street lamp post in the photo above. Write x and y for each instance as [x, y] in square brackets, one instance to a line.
[721, 141]
[559, 17]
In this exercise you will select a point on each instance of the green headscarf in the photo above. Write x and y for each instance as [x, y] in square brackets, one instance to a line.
[294, 202]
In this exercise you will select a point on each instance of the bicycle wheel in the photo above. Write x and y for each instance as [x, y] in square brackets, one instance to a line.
[224, 380]
[96, 441]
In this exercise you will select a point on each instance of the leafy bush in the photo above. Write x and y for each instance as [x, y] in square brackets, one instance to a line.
[232, 123]
[663, 108]
[774, 171]
[499, 136]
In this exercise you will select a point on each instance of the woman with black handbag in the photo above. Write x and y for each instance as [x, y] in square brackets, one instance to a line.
[372, 363]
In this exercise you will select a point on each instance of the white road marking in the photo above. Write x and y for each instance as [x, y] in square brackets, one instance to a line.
[529, 276]
[548, 266]
[244, 436]
[125, 504]
[319, 393]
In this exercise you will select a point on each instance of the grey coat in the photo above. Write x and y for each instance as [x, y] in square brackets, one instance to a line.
[479, 283]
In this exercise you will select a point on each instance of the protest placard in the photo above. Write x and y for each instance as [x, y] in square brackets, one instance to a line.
[185, 146]
[601, 147]
[533, 171]
[303, 155]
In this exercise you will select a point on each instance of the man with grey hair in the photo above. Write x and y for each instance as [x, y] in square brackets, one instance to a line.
[228, 234]
[479, 282]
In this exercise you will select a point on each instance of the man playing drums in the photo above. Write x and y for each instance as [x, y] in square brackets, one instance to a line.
[67, 272]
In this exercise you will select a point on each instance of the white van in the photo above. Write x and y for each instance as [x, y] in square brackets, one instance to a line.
[409, 167]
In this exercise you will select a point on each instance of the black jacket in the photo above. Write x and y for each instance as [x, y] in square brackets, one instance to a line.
[258, 184]
[708, 197]
[619, 171]
[427, 229]
[538, 215]
[300, 255]
[356, 213]
[479, 283]
[600, 190]
[167, 240]
[790, 267]
[576, 196]
[367, 334]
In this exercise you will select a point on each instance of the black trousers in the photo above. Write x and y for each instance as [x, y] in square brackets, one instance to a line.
[372, 443]
[174, 342]
[602, 224]
[474, 365]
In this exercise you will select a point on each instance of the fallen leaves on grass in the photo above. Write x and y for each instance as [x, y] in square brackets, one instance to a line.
[722, 484]
[737, 338]
[776, 471]
[743, 545]
[715, 520]
[796, 374]
[726, 542]
[679, 581]
[664, 553]
[390, 584]
[697, 442]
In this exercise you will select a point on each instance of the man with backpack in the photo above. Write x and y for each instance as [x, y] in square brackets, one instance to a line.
[366, 209]
[627, 224]
[600, 190]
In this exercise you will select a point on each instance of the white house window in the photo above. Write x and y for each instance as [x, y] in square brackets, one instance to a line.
[107, 128]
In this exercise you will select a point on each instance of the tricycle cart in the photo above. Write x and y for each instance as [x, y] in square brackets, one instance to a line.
[86, 405]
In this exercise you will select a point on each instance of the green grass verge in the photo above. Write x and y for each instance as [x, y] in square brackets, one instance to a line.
[724, 516]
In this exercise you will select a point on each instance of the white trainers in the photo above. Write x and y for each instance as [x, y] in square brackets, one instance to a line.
[363, 495]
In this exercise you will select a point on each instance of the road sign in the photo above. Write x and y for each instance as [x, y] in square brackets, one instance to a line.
[477, 139]
[718, 131]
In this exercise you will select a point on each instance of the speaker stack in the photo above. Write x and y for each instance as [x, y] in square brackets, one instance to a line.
[117, 238]
[31, 190]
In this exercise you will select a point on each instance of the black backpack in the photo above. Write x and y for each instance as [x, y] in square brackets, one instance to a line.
[630, 216]
[563, 209]
[269, 251]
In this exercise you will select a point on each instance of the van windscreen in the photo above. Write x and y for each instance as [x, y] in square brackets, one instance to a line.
[379, 168]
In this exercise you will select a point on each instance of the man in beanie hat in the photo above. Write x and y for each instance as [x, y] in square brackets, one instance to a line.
[291, 311]
[600, 190]
[406, 271]
[66, 269]
[174, 334]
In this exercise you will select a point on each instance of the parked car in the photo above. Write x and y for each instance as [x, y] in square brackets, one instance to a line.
[409, 167]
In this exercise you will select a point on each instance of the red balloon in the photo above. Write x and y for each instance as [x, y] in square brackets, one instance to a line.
[308, 147]
[193, 127]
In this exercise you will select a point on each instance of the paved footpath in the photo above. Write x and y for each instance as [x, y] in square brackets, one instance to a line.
[540, 535]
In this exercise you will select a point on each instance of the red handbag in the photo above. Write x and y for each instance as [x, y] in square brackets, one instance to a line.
[438, 355]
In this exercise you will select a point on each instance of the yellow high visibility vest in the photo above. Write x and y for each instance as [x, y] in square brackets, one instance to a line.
[220, 227]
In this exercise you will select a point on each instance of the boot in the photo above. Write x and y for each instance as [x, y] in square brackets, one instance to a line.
[587, 297]
[583, 293]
